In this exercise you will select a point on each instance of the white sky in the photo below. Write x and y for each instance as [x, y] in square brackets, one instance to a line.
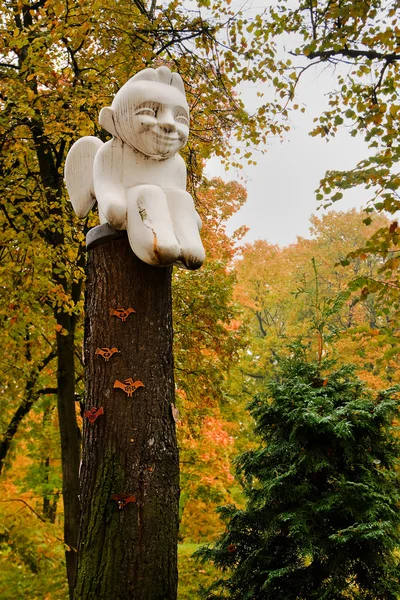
[281, 188]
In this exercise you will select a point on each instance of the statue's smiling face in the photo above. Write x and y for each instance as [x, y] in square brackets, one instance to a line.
[153, 118]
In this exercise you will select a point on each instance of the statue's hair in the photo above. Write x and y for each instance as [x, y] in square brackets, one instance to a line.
[162, 75]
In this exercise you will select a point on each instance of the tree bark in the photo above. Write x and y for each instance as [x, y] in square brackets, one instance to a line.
[128, 552]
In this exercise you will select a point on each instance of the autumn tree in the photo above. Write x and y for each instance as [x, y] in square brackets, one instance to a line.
[206, 346]
[285, 291]
[358, 43]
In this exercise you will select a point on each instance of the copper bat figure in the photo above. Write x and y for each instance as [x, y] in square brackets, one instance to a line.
[122, 313]
[93, 413]
[122, 499]
[106, 353]
[129, 386]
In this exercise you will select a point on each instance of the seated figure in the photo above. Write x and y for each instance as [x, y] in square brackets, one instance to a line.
[138, 178]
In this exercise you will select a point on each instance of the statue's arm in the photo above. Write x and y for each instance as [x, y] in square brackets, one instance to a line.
[108, 183]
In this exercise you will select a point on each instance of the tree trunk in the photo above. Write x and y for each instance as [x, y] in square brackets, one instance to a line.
[130, 471]
[69, 439]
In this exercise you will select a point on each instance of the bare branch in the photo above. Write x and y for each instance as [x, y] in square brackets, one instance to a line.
[349, 53]
[27, 505]
[9, 65]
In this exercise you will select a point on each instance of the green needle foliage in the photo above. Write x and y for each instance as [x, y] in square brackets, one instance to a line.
[322, 515]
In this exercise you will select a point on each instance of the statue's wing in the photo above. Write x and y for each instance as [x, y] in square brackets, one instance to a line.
[78, 174]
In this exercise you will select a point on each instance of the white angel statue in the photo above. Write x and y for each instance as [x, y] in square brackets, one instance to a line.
[138, 178]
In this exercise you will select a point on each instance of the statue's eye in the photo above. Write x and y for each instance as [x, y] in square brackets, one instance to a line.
[182, 118]
[146, 111]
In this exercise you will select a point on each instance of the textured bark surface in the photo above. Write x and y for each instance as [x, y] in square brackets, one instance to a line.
[128, 553]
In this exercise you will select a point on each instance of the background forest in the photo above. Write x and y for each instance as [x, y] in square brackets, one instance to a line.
[61, 62]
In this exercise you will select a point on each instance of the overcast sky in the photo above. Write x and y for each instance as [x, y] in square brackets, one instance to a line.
[281, 188]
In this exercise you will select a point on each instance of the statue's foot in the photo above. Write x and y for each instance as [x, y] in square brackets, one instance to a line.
[192, 254]
[150, 230]
[186, 223]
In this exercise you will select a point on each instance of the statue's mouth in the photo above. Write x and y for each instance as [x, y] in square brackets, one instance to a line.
[171, 138]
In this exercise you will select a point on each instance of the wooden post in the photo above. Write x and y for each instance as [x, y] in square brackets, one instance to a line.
[130, 471]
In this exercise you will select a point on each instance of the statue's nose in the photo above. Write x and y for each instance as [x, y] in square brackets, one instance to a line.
[166, 120]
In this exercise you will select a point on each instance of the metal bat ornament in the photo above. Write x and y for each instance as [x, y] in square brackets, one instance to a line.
[93, 413]
[122, 500]
[129, 386]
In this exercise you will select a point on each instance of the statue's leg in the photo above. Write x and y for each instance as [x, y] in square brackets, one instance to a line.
[186, 224]
[150, 230]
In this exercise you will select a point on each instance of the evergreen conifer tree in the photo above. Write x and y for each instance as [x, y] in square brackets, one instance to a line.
[322, 518]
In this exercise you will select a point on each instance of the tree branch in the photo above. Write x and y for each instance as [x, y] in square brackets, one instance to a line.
[349, 53]
[27, 505]
[24, 407]
[34, 512]
[9, 66]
